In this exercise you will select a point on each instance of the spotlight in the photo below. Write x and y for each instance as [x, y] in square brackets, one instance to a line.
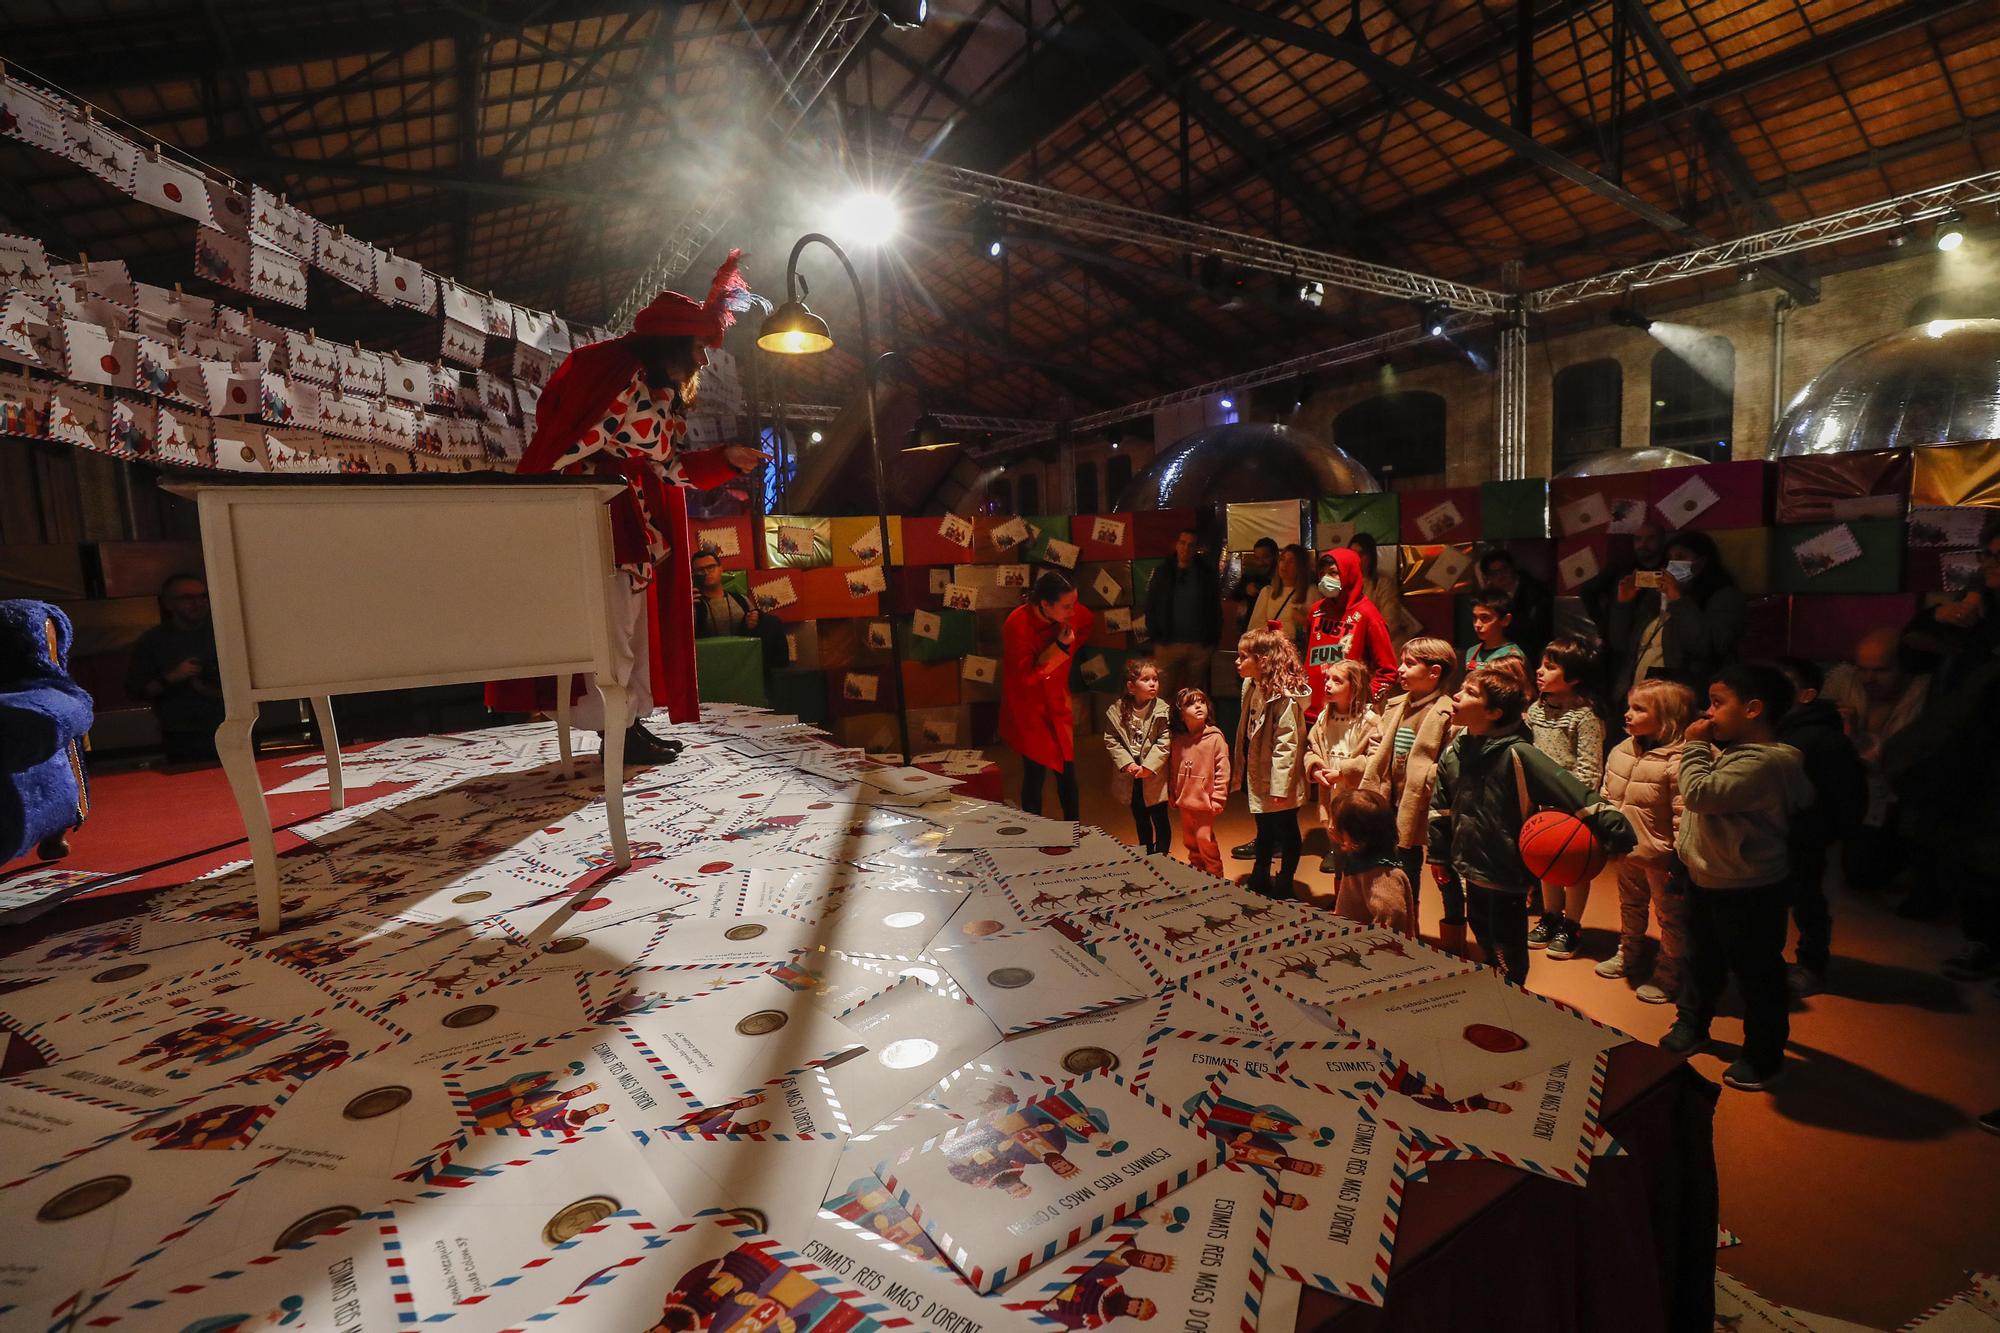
[818, 438]
[1313, 293]
[928, 434]
[1434, 315]
[867, 218]
[1950, 233]
[904, 13]
[1227, 404]
[988, 238]
[1626, 317]
[1746, 275]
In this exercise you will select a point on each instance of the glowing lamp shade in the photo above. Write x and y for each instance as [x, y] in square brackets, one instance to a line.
[929, 433]
[793, 330]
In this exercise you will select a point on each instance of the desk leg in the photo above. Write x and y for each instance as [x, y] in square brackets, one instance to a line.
[329, 739]
[239, 763]
[562, 725]
[614, 767]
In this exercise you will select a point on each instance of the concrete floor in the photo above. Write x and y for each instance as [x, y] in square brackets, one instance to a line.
[1862, 1185]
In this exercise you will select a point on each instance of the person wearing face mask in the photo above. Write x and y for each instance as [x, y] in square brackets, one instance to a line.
[1345, 625]
[1625, 602]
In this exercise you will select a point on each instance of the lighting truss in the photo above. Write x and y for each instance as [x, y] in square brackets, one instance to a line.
[1080, 216]
[818, 413]
[1363, 349]
[1868, 220]
[819, 46]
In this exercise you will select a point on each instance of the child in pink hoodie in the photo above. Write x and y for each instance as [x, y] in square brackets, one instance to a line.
[1199, 765]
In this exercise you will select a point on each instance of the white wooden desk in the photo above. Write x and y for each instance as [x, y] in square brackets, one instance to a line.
[324, 586]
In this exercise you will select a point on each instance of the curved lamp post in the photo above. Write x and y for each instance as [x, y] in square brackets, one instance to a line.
[793, 330]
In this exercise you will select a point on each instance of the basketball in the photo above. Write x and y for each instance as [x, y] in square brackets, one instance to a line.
[1559, 848]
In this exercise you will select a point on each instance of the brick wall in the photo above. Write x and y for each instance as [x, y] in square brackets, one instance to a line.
[1855, 307]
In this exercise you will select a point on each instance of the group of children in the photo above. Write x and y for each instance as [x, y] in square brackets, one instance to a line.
[1707, 818]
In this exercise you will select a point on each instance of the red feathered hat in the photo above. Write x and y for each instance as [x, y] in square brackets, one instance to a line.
[672, 315]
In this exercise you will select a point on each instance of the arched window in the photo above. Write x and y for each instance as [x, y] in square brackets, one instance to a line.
[1000, 496]
[1395, 435]
[1086, 488]
[1028, 494]
[1694, 396]
[1117, 476]
[1587, 399]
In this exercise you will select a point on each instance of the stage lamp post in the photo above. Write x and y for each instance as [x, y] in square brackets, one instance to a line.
[793, 330]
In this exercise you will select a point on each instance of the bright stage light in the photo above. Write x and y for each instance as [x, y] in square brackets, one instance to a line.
[867, 218]
[817, 437]
[1950, 232]
[1227, 404]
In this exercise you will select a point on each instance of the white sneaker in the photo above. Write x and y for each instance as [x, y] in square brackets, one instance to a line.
[1614, 966]
[1651, 994]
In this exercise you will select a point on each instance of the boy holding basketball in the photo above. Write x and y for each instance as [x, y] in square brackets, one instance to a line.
[1740, 790]
[1490, 780]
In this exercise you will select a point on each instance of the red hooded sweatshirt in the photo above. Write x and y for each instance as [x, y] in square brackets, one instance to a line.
[1346, 625]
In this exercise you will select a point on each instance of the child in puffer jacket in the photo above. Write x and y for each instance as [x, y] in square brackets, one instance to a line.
[1642, 781]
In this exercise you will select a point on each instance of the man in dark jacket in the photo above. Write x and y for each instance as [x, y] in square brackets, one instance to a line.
[1184, 616]
[1488, 782]
[1534, 605]
[173, 670]
[1840, 799]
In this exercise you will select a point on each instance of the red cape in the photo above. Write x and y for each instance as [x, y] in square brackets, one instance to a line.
[575, 396]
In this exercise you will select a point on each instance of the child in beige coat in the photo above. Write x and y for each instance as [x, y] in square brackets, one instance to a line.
[1402, 765]
[1642, 782]
[1338, 743]
[1269, 757]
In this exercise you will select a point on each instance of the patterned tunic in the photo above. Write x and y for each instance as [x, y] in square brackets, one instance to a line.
[639, 424]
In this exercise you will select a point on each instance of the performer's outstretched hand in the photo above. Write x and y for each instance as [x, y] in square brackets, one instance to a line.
[743, 458]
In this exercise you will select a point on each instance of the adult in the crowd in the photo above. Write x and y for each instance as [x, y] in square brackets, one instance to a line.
[1534, 603]
[1686, 626]
[618, 409]
[1625, 602]
[1976, 612]
[1346, 624]
[1940, 770]
[1038, 643]
[1184, 616]
[1877, 696]
[1260, 563]
[173, 670]
[718, 612]
[1284, 598]
[1384, 589]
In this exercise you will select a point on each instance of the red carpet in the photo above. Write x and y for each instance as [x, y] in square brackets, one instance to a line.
[183, 821]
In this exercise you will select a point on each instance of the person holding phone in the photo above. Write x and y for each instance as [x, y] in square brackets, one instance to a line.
[1678, 614]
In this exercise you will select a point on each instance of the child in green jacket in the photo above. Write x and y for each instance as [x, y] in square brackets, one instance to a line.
[1488, 783]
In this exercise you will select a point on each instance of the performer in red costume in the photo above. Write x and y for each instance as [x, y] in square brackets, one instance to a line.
[1344, 624]
[618, 409]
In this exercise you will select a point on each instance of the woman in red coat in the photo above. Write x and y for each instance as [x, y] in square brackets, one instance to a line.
[1345, 625]
[1038, 643]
